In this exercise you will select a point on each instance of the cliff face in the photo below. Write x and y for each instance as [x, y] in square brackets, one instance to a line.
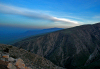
[31, 60]
[69, 48]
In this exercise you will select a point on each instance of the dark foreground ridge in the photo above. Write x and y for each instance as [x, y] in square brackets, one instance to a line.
[31, 60]
[77, 47]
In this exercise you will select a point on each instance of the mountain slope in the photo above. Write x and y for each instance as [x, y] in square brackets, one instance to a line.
[70, 48]
[32, 60]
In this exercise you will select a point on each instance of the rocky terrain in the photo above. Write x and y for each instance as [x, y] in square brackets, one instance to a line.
[73, 48]
[3, 64]
[12, 57]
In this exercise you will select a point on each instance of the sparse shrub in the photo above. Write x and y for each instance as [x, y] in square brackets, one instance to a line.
[13, 56]
[10, 46]
[28, 50]
[20, 47]
[6, 50]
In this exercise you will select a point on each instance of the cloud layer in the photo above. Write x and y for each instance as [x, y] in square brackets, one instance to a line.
[33, 14]
[98, 17]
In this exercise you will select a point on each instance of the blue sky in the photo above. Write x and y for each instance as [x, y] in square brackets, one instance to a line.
[48, 13]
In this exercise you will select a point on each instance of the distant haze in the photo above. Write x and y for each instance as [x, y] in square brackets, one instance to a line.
[9, 35]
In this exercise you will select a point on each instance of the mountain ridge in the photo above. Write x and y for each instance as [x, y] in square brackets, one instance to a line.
[70, 48]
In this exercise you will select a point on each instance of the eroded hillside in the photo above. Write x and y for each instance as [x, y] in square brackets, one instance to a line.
[70, 48]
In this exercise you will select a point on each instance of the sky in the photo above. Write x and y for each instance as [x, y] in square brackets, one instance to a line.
[49, 13]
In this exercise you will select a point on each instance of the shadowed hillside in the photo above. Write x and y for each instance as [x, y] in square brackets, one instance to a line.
[77, 47]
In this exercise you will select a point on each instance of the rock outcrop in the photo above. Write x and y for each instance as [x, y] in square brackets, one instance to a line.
[21, 59]
[12, 63]
[11, 66]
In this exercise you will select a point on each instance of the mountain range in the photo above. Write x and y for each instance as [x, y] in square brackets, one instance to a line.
[10, 35]
[72, 48]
